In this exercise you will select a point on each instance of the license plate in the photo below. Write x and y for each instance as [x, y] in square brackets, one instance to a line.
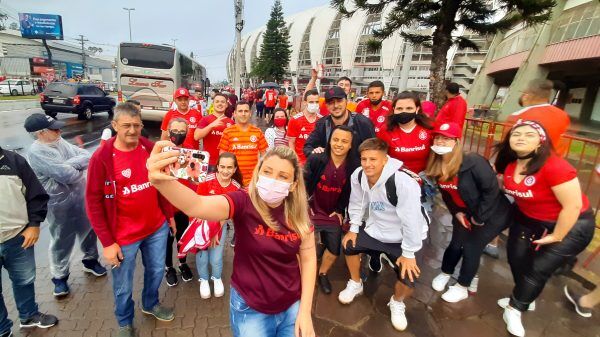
[58, 100]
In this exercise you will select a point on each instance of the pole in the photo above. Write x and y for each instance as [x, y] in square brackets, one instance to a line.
[81, 38]
[174, 40]
[129, 14]
[48, 52]
[239, 26]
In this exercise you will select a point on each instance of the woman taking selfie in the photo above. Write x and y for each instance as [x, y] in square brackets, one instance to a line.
[274, 266]
[480, 211]
[552, 223]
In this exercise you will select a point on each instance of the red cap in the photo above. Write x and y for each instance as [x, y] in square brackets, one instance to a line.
[451, 130]
[181, 92]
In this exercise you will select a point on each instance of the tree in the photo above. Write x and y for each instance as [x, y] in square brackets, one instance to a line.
[276, 50]
[444, 17]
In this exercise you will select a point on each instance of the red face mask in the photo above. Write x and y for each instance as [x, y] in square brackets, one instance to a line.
[279, 122]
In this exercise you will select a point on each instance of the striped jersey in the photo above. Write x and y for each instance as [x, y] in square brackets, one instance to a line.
[246, 145]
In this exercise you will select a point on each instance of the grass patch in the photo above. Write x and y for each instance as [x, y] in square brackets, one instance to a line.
[15, 98]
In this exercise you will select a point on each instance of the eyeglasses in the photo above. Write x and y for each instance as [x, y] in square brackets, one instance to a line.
[129, 126]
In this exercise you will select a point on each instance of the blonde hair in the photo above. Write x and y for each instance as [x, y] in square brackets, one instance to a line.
[436, 169]
[295, 204]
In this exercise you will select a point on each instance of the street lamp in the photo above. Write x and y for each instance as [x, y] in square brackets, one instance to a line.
[174, 40]
[129, 13]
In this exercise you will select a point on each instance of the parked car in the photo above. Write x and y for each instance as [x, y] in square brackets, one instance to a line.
[79, 98]
[16, 87]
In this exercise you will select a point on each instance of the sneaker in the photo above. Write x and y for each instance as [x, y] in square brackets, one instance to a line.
[61, 288]
[439, 282]
[126, 331]
[186, 272]
[39, 320]
[397, 309]
[94, 267]
[324, 283]
[171, 277]
[217, 287]
[574, 298]
[491, 250]
[473, 286]
[512, 318]
[375, 263]
[160, 313]
[503, 303]
[7, 334]
[352, 290]
[455, 293]
[204, 289]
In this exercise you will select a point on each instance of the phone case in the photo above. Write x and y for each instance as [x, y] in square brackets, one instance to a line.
[191, 164]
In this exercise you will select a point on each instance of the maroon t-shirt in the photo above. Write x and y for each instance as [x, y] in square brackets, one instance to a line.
[265, 265]
[327, 193]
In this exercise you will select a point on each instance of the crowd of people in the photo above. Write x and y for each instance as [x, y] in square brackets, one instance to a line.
[336, 178]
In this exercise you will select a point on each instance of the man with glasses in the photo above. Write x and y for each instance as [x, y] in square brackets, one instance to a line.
[128, 214]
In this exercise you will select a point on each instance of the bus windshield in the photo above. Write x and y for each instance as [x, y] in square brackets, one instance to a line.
[147, 56]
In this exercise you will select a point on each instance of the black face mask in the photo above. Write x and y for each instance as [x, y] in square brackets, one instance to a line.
[177, 138]
[527, 156]
[403, 117]
[375, 102]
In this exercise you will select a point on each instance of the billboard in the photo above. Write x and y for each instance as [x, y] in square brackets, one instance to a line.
[41, 26]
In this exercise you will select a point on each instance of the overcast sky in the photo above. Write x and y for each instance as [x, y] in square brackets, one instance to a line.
[205, 27]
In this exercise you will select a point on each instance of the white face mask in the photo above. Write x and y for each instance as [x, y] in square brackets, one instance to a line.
[312, 107]
[271, 190]
[441, 150]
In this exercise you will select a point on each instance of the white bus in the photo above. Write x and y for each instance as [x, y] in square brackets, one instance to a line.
[150, 74]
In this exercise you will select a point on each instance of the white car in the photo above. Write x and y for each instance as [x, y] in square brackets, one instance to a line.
[16, 87]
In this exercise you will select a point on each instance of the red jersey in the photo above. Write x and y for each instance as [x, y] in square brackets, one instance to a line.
[412, 148]
[534, 195]
[193, 117]
[283, 101]
[454, 111]
[376, 116]
[138, 212]
[451, 187]
[299, 127]
[270, 98]
[246, 145]
[327, 194]
[211, 186]
[212, 139]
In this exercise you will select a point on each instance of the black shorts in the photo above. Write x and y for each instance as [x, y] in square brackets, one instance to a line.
[365, 244]
[269, 110]
[331, 237]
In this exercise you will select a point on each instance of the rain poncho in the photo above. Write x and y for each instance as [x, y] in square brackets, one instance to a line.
[60, 167]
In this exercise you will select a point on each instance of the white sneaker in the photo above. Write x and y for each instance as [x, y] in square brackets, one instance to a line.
[439, 282]
[455, 293]
[512, 318]
[352, 290]
[204, 289]
[473, 286]
[218, 287]
[397, 309]
[503, 303]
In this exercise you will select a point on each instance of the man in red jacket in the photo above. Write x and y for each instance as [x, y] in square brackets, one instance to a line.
[455, 109]
[128, 214]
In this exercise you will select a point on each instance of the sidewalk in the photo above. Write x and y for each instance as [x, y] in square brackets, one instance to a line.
[87, 312]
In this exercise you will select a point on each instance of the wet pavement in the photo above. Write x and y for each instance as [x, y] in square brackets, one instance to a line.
[88, 310]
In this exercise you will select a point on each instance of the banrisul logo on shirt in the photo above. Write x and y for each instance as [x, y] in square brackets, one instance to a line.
[262, 230]
[134, 188]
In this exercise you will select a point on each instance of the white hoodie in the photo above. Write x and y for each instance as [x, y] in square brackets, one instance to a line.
[405, 223]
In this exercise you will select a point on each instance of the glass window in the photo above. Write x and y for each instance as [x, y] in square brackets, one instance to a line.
[147, 56]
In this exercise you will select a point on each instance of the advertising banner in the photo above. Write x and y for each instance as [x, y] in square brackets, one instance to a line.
[41, 26]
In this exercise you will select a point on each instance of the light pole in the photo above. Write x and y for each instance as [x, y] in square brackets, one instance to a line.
[129, 13]
[239, 26]
[174, 40]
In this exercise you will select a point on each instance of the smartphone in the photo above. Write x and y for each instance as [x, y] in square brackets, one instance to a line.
[191, 164]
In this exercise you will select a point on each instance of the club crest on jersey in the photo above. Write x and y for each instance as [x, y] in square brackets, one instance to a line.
[380, 119]
[422, 135]
[529, 181]
[192, 120]
[126, 173]
[444, 127]
[253, 139]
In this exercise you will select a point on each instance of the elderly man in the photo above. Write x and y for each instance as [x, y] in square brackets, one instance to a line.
[60, 167]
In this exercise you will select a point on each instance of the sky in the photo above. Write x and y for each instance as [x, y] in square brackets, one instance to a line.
[205, 27]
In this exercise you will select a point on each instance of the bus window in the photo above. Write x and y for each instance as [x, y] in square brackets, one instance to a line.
[157, 57]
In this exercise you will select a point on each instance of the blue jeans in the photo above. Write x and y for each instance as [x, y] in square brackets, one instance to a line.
[215, 255]
[20, 265]
[246, 321]
[154, 249]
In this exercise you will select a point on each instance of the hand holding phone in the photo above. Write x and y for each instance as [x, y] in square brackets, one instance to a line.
[191, 164]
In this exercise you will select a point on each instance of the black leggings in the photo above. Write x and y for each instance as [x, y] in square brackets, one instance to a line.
[531, 269]
[181, 222]
[468, 245]
[260, 108]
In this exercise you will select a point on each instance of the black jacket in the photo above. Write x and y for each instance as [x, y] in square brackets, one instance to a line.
[313, 169]
[478, 188]
[361, 126]
[19, 184]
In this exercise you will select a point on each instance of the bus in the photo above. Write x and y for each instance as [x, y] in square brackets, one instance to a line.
[150, 73]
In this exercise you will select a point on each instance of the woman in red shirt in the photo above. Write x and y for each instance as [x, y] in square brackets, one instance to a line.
[553, 221]
[274, 242]
[227, 179]
[408, 132]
